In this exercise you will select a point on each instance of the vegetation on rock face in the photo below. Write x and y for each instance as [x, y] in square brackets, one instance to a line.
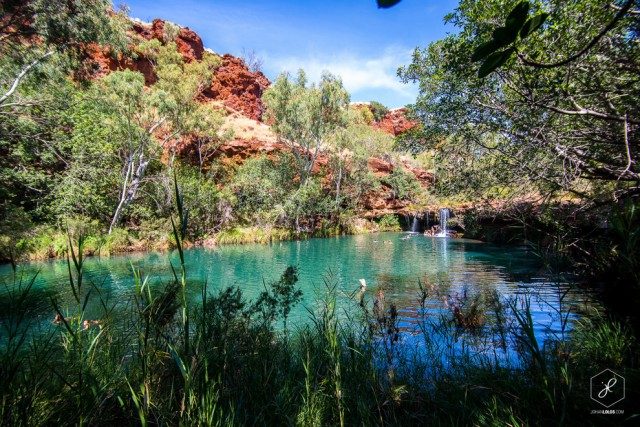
[304, 116]
[378, 110]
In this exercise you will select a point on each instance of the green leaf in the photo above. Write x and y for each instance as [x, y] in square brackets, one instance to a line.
[516, 18]
[385, 4]
[504, 36]
[484, 50]
[533, 24]
[494, 61]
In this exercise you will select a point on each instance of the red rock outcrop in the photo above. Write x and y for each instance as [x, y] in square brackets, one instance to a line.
[395, 122]
[188, 42]
[382, 168]
[381, 201]
[234, 84]
[238, 87]
[241, 149]
[100, 61]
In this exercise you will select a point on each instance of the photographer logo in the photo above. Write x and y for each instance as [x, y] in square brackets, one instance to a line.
[607, 388]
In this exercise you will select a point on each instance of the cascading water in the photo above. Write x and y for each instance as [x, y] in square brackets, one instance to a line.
[415, 225]
[444, 217]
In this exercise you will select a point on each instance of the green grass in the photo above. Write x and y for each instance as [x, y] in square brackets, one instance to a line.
[240, 235]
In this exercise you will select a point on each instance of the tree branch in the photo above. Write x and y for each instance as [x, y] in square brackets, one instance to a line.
[587, 112]
[22, 74]
[621, 12]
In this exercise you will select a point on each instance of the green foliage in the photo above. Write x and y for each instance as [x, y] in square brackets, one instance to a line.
[46, 243]
[261, 186]
[510, 109]
[532, 24]
[493, 61]
[238, 235]
[616, 256]
[378, 110]
[416, 140]
[65, 24]
[602, 342]
[117, 241]
[306, 205]
[403, 184]
[14, 224]
[389, 222]
[203, 197]
[350, 148]
[516, 24]
[304, 115]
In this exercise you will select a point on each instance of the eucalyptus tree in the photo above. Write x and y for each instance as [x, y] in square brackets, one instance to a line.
[31, 32]
[349, 149]
[41, 42]
[556, 85]
[134, 124]
[305, 115]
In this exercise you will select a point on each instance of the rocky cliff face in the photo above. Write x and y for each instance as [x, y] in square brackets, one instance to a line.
[395, 122]
[234, 84]
[189, 43]
[238, 87]
[382, 202]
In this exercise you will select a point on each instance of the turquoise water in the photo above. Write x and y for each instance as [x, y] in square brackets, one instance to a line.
[392, 262]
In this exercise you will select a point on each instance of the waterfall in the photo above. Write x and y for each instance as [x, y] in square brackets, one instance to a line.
[444, 217]
[415, 224]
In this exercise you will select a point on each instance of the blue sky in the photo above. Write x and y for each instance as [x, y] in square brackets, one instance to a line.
[353, 39]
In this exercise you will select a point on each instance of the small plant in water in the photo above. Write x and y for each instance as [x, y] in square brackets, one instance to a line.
[468, 311]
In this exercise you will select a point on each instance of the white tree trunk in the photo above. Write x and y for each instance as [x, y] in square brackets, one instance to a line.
[129, 188]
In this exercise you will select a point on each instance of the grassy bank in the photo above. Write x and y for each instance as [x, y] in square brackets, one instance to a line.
[47, 242]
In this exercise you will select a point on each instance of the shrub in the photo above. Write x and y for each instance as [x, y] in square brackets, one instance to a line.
[45, 242]
[600, 341]
[304, 206]
[403, 184]
[155, 234]
[14, 225]
[202, 196]
[389, 222]
[240, 235]
[118, 241]
[378, 110]
[260, 185]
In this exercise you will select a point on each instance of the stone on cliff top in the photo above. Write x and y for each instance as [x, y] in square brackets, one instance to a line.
[238, 87]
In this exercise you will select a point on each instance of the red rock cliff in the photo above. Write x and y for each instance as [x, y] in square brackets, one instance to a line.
[238, 87]
[233, 83]
[395, 122]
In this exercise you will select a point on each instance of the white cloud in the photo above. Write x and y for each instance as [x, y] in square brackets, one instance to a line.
[359, 74]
